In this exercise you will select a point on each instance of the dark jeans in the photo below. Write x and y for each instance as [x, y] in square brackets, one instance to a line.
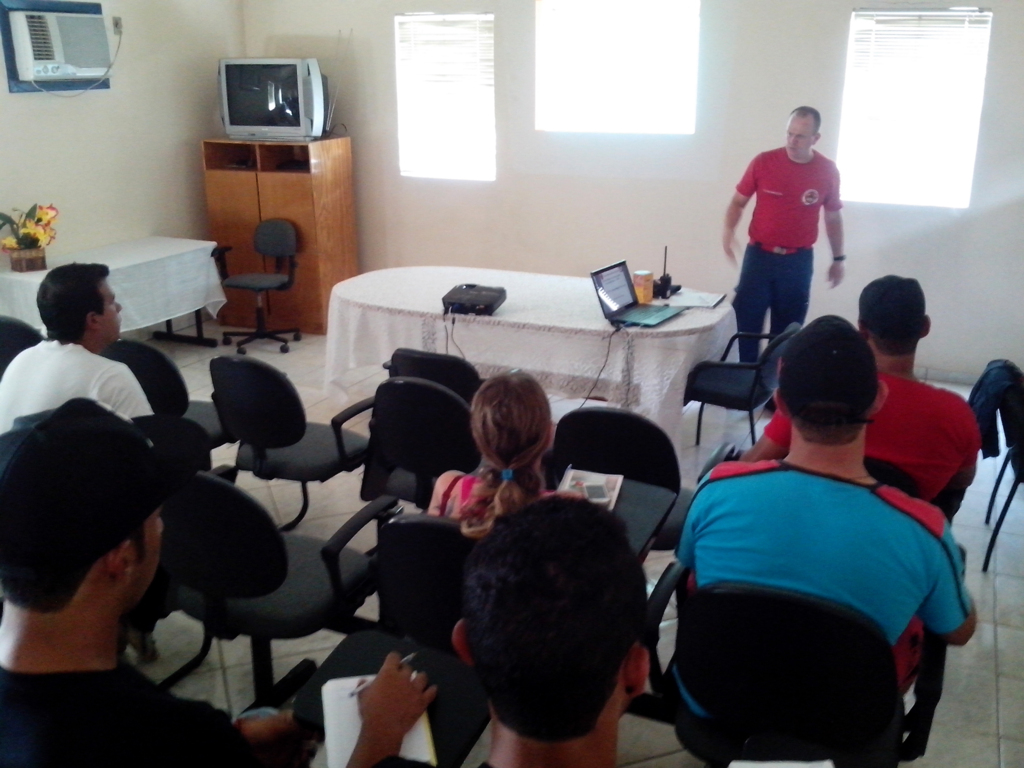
[771, 281]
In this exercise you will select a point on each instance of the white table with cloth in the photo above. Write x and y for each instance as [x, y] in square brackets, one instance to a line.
[550, 326]
[154, 278]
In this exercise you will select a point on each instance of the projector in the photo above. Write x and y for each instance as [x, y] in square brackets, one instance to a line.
[472, 299]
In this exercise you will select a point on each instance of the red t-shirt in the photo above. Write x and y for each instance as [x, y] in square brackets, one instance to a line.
[929, 433]
[789, 195]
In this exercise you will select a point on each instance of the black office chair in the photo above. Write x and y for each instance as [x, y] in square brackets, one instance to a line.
[165, 388]
[418, 430]
[276, 239]
[261, 408]
[889, 474]
[1011, 413]
[618, 442]
[739, 386]
[419, 563]
[235, 572]
[15, 337]
[448, 370]
[785, 676]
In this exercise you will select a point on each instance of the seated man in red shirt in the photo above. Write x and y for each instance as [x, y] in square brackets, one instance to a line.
[929, 433]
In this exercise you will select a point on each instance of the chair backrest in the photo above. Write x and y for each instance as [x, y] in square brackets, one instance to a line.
[1011, 413]
[767, 660]
[448, 370]
[423, 428]
[419, 575]
[15, 337]
[256, 402]
[769, 360]
[219, 541]
[275, 238]
[724, 452]
[889, 474]
[615, 442]
[156, 373]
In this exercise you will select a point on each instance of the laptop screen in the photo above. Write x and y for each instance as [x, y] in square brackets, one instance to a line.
[614, 287]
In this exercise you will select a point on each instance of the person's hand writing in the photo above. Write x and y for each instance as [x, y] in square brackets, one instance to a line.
[390, 707]
[836, 273]
[278, 741]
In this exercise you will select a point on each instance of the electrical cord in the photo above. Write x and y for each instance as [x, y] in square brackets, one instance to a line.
[597, 378]
[463, 354]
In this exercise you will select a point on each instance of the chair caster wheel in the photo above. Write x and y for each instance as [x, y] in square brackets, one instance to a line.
[284, 347]
[241, 350]
[226, 341]
[297, 336]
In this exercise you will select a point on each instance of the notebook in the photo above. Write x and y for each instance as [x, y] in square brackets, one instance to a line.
[342, 723]
[615, 292]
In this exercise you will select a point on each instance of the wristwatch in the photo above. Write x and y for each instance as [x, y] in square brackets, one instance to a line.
[839, 258]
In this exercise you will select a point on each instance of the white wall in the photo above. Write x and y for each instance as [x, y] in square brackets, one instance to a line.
[126, 162]
[567, 203]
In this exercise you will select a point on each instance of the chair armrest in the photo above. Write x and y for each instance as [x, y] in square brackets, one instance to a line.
[656, 605]
[379, 509]
[927, 692]
[704, 364]
[344, 416]
[218, 255]
[742, 335]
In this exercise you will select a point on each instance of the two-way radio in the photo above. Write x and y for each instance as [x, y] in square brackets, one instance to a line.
[663, 287]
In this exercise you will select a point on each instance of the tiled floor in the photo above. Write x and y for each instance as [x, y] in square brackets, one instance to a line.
[979, 723]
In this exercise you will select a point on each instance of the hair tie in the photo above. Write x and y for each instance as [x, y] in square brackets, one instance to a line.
[506, 475]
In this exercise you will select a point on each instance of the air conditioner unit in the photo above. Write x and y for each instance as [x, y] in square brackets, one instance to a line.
[59, 46]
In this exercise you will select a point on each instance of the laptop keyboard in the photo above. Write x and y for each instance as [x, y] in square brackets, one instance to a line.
[647, 314]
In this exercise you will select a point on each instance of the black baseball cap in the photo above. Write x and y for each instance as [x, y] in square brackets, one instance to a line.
[76, 481]
[829, 362]
[892, 307]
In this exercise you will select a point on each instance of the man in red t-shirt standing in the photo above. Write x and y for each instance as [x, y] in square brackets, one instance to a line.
[929, 433]
[791, 183]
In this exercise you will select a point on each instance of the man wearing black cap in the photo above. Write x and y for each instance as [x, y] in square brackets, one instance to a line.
[818, 523]
[929, 433]
[80, 497]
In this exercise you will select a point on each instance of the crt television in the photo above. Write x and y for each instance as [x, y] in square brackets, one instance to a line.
[282, 99]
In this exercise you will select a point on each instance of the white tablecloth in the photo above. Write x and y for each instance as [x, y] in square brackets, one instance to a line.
[550, 326]
[154, 279]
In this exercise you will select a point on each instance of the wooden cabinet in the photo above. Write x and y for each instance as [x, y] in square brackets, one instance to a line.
[310, 185]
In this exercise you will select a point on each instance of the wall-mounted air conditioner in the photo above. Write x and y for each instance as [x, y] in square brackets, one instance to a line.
[59, 46]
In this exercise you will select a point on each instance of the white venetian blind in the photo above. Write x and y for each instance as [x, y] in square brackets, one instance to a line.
[912, 105]
[445, 83]
[617, 66]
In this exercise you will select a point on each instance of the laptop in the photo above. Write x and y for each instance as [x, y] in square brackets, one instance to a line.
[614, 286]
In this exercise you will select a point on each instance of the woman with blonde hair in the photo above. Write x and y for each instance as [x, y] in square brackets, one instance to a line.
[511, 423]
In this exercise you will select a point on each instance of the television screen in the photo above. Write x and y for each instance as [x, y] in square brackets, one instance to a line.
[263, 94]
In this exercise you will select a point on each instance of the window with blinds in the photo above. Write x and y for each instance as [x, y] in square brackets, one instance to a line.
[445, 84]
[617, 66]
[911, 106]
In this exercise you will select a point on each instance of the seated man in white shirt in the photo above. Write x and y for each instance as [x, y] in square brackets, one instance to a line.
[82, 318]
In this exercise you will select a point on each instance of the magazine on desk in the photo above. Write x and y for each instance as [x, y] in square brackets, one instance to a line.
[595, 487]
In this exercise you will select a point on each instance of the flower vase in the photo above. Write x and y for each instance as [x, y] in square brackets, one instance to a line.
[28, 259]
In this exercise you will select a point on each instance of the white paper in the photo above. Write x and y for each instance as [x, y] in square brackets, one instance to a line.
[342, 723]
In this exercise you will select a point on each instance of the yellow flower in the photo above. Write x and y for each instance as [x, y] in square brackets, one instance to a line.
[46, 213]
[9, 244]
[35, 231]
